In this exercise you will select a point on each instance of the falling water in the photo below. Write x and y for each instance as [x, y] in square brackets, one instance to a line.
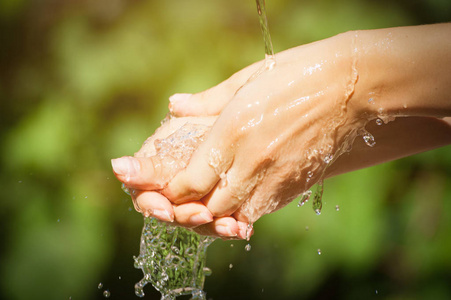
[269, 51]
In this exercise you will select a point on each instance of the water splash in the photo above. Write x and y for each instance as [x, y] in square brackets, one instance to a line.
[172, 260]
[248, 247]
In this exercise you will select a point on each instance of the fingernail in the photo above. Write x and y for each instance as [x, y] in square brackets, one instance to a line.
[201, 218]
[126, 166]
[163, 215]
[224, 230]
[179, 97]
[242, 230]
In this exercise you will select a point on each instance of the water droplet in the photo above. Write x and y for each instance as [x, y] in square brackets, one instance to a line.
[368, 138]
[309, 176]
[189, 251]
[317, 198]
[175, 250]
[125, 189]
[379, 122]
[106, 294]
[306, 228]
[304, 198]
[328, 158]
[248, 231]
[230, 267]
[371, 100]
[58, 220]
[231, 245]
[139, 292]
[248, 247]
[377, 292]
[223, 181]
[337, 208]
[120, 277]
[100, 286]
[319, 251]
[207, 271]
[196, 295]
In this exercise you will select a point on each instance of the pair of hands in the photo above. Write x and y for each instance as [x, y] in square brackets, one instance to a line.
[268, 135]
[265, 136]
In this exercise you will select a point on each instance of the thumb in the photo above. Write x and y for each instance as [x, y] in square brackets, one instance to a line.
[213, 158]
[210, 102]
[143, 173]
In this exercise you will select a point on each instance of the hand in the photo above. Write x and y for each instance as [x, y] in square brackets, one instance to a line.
[162, 156]
[273, 138]
[279, 133]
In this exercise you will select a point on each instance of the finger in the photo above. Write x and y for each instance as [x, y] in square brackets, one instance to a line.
[210, 102]
[192, 214]
[225, 228]
[245, 230]
[143, 173]
[220, 201]
[154, 204]
[213, 157]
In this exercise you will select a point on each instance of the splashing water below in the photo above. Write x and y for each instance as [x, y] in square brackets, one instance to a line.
[172, 260]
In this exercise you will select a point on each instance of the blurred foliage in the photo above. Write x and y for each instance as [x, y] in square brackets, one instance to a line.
[82, 82]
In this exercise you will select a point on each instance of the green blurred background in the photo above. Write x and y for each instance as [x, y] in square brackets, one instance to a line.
[84, 81]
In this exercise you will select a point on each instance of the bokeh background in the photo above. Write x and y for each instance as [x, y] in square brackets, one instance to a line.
[84, 81]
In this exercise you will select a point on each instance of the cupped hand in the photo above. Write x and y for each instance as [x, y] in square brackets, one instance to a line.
[278, 131]
[162, 156]
[275, 136]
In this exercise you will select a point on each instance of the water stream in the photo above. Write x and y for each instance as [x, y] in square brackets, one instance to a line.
[270, 59]
[173, 260]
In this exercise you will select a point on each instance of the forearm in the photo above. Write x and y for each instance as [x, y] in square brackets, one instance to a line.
[404, 71]
[398, 139]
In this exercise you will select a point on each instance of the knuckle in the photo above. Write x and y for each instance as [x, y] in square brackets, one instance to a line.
[186, 189]
[156, 171]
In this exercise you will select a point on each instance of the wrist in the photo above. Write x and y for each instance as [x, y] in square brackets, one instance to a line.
[403, 72]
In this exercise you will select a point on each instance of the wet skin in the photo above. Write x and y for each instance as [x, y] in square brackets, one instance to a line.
[282, 124]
